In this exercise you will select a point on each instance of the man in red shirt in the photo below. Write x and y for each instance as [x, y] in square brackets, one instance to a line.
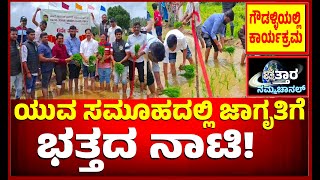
[157, 21]
[59, 51]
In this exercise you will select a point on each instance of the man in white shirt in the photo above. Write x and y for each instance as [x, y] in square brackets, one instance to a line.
[40, 29]
[175, 41]
[188, 15]
[88, 47]
[136, 38]
[112, 29]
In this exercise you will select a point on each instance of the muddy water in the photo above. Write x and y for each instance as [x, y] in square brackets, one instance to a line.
[85, 94]
[227, 77]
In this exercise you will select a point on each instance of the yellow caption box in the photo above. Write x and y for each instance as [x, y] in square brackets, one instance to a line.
[276, 28]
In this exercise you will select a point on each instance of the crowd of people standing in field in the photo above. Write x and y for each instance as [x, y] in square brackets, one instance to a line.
[31, 55]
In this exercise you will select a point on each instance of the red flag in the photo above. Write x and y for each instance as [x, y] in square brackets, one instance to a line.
[65, 6]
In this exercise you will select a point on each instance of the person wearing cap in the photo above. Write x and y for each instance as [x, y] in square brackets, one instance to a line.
[137, 38]
[73, 47]
[121, 54]
[226, 6]
[214, 25]
[104, 25]
[175, 41]
[111, 30]
[22, 30]
[155, 51]
[30, 62]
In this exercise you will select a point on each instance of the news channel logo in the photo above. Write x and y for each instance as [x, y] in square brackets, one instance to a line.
[276, 79]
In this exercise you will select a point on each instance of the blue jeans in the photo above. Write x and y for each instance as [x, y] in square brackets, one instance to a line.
[173, 56]
[16, 81]
[85, 71]
[104, 75]
[31, 83]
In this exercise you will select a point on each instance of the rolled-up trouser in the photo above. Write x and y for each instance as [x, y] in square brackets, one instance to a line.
[16, 81]
[61, 73]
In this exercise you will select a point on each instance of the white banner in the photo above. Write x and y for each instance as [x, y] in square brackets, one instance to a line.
[60, 21]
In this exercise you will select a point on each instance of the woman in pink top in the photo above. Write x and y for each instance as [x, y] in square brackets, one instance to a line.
[104, 63]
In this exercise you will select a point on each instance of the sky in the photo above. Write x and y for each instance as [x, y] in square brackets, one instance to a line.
[18, 9]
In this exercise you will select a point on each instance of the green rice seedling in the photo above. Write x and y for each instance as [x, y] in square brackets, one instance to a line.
[92, 66]
[101, 50]
[136, 48]
[226, 81]
[172, 91]
[177, 25]
[189, 73]
[233, 70]
[229, 49]
[77, 58]
[119, 68]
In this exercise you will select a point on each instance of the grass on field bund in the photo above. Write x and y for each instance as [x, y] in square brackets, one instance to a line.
[209, 8]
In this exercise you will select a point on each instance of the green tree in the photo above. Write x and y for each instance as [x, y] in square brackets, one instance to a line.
[143, 21]
[121, 15]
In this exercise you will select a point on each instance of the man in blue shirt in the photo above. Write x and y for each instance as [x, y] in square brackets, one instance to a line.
[214, 25]
[47, 63]
[73, 47]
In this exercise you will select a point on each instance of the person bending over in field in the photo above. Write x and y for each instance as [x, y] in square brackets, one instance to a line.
[213, 26]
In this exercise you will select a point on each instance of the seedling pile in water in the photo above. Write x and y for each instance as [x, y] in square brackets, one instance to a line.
[189, 73]
[92, 67]
[77, 58]
[172, 92]
[229, 49]
[119, 68]
[177, 25]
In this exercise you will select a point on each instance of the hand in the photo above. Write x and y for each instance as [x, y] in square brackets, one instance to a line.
[184, 22]
[99, 56]
[92, 16]
[86, 60]
[28, 75]
[68, 60]
[54, 59]
[38, 9]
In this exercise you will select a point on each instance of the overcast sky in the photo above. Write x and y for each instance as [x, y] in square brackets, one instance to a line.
[18, 9]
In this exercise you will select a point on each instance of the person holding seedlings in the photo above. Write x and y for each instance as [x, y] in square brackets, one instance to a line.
[30, 62]
[121, 54]
[47, 63]
[105, 58]
[226, 6]
[15, 63]
[214, 25]
[157, 21]
[175, 41]
[156, 53]
[59, 50]
[111, 30]
[136, 42]
[73, 47]
[241, 35]
[88, 47]
[194, 6]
